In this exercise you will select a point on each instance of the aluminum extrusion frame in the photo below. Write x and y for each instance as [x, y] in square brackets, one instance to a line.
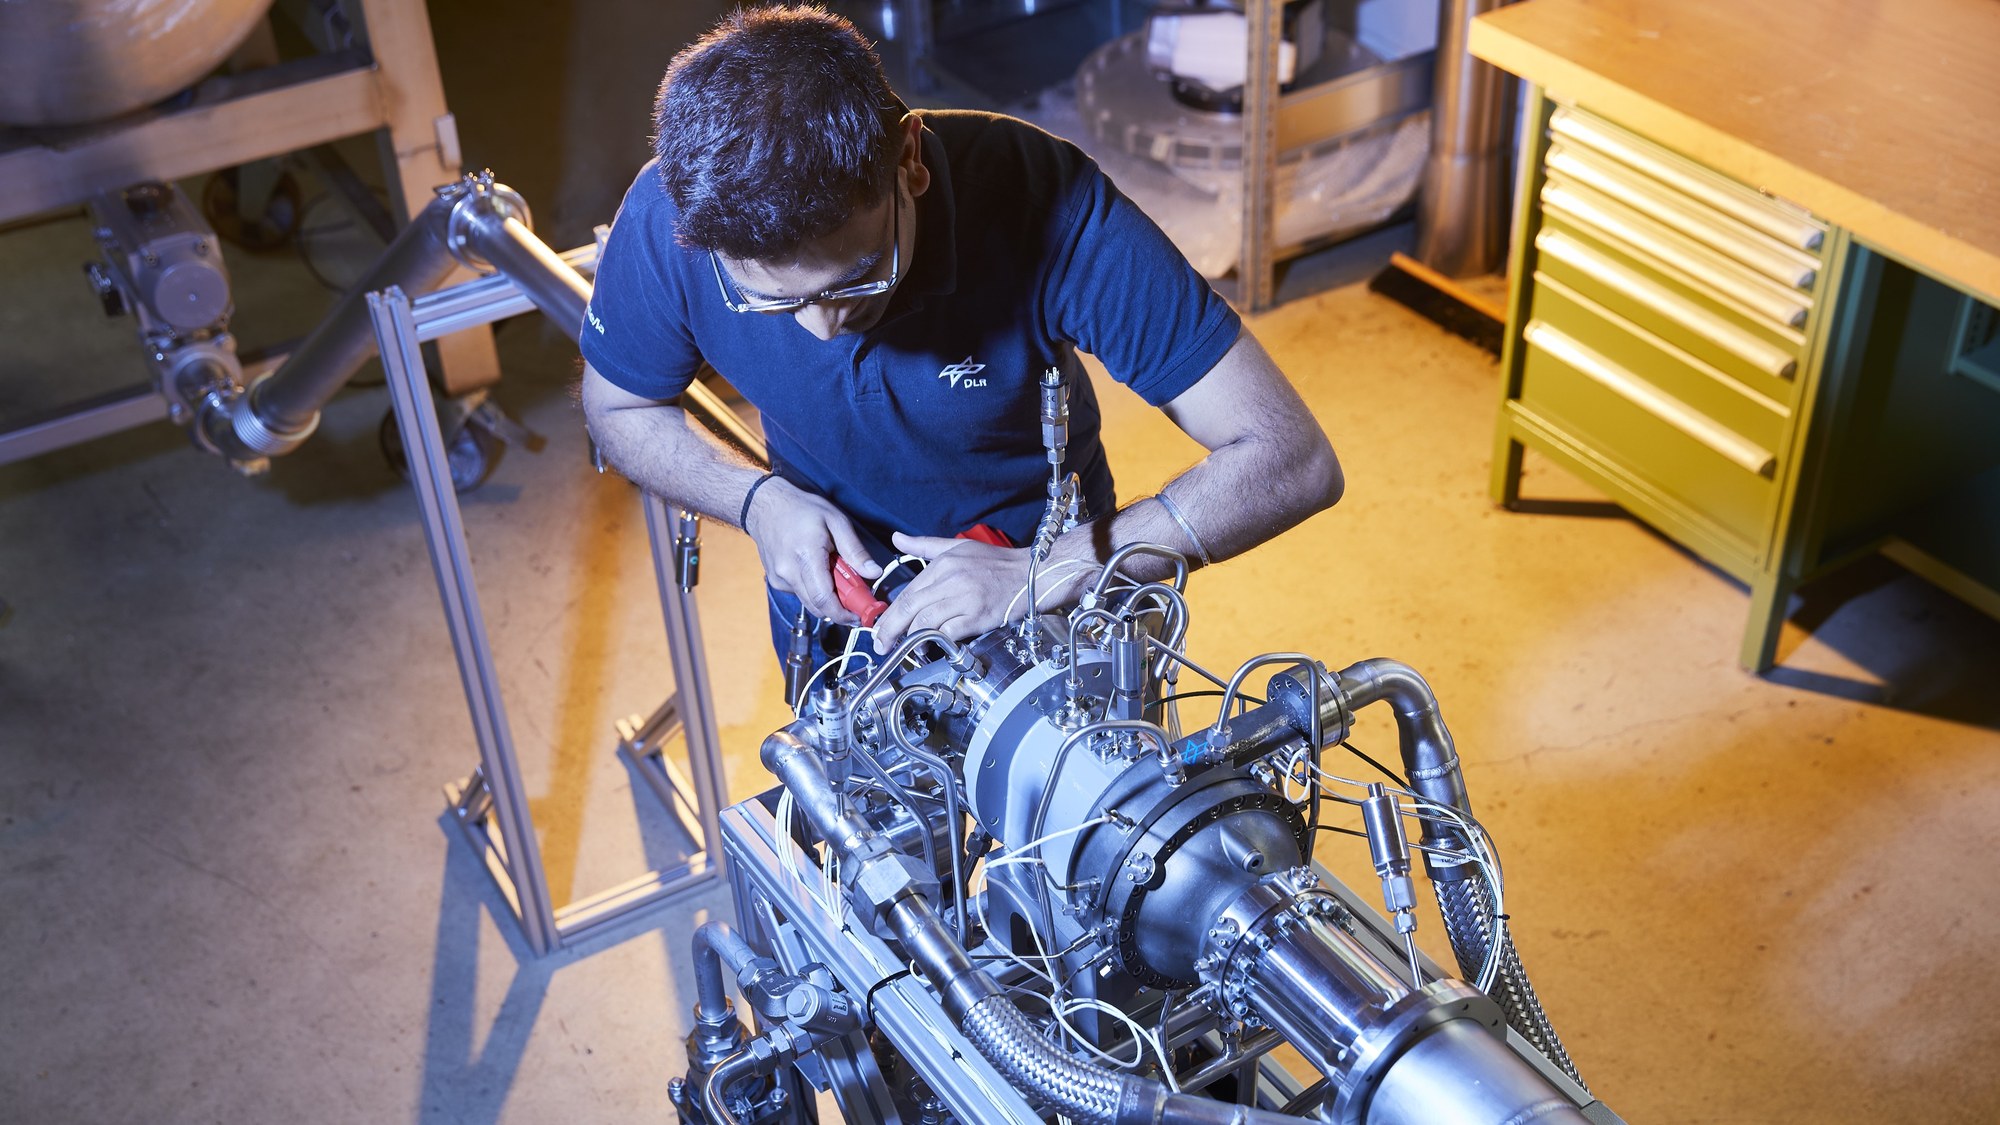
[490, 807]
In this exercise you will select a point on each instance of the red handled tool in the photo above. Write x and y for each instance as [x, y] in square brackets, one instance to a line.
[854, 593]
[859, 598]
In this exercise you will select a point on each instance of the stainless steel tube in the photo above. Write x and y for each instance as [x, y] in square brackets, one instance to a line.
[539, 272]
[1460, 1075]
[796, 764]
[715, 943]
[714, 1095]
[1461, 206]
[1430, 757]
[288, 400]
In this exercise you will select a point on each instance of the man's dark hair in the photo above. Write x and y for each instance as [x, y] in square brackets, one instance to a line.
[773, 129]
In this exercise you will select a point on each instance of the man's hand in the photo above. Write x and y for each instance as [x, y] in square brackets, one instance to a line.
[963, 591]
[797, 534]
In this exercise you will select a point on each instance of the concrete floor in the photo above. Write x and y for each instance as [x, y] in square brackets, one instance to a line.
[227, 706]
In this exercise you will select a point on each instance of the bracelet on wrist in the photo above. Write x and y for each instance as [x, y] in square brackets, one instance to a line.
[1187, 529]
[743, 517]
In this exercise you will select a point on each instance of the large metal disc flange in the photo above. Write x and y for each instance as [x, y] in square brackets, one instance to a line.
[1164, 832]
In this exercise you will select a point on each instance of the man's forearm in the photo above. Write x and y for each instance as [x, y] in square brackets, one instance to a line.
[1237, 497]
[663, 450]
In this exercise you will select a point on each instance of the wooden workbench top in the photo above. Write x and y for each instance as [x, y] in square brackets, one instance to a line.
[1881, 116]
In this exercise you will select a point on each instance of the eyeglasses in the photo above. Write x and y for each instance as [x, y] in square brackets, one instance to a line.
[735, 303]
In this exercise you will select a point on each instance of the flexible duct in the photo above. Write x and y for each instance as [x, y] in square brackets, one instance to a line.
[1430, 758]
[1467, 906]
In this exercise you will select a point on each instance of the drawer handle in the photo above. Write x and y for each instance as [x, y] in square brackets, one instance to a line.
[1792, 231]
[1646, 239]
[1761, 253]
[1698, 426]
[1764, 357]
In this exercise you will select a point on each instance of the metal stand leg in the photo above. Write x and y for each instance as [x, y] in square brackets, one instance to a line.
[492, 797]
[689, 712]
[490, 807]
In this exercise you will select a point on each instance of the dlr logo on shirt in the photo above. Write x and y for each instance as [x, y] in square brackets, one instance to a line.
[961, 373]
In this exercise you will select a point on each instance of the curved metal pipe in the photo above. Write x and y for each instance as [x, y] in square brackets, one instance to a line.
[991, 1021]
[946, 781]
[731, 1070]
[1430, 757]
[954, 654]
[795, 763]
[1128, 550]
[714, 943]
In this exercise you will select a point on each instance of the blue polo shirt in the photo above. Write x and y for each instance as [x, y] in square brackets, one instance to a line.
[929, 422]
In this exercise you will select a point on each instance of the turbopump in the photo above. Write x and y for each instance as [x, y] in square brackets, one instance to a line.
[1001, 880]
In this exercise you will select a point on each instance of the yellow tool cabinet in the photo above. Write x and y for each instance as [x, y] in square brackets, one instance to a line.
[1779, 384]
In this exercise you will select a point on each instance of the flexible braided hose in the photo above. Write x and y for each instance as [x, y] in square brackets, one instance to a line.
[1467, 906]
[1001, 1033]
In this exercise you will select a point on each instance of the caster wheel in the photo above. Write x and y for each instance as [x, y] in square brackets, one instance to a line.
[470, 452]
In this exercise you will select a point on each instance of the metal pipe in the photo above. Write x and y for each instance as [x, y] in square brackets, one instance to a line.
[1461, 221]
[280, 410]
[731, 1070]
[1430, 757]
[1178, 560]
[991, 1021]
[555, 287]
[955, 655]
[795, 763]
[946, 781]
[1255, 1047]
[714, 943]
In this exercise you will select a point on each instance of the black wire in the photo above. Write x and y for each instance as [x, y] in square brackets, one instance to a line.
[1339, 829]
[1196, 694]
[892, 978]
[1392, 775]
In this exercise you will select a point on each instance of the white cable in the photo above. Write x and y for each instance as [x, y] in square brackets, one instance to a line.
[853, 642]
[1007, 614]
[1481, 854]
[1047, 971]
[1020, 854]
[899, 560]
[1142, 1037]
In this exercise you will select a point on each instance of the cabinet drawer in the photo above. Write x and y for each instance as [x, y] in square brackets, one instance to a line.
[1784, 222]
[1717, 231]
[1684, 453]
[1754, 353]
[1760, 301]
[1712, 393]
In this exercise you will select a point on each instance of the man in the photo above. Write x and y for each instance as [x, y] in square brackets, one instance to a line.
[887, 288]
